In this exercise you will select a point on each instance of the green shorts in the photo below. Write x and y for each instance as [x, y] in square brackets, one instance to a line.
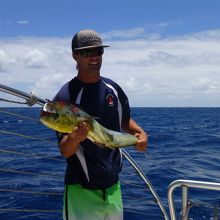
[87, 204]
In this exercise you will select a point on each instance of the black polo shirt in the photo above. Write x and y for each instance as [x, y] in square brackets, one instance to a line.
[92, 166]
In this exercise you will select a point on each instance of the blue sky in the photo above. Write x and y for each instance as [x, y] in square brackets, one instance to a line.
[163, 52]
[64, 17]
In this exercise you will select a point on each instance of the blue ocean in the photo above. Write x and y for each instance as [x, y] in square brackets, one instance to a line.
[184, 143]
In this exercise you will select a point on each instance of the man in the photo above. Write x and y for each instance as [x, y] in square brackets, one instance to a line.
[92, 188]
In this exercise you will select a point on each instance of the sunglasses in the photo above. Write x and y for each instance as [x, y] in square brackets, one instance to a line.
[91, 52]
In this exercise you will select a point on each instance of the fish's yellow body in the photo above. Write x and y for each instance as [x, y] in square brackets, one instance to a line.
[63, 117]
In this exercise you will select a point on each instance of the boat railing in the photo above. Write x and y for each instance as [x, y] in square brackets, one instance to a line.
[184, 184]
[147, 182]
[31, 99]
[186, 204]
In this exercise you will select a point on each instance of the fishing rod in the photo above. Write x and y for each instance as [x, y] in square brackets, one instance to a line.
[31, 99]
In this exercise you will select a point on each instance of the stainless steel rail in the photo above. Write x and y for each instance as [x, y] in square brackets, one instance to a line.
[30, 98]
[147, 182]
[186, 184]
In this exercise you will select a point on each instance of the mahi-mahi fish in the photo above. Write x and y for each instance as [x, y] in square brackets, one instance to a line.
[63, 117]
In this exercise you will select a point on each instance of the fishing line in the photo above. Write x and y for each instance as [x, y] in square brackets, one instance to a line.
[26, 136]
[23, 135]
[30, 100]
[30, 210]
[12, 101]
[31, 192]
[137, 212]
[55, 175]
[29, 173]
[203, 204]
[145, 155]
[21, 116]
[30, 155]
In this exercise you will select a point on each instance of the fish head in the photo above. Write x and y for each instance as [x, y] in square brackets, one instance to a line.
[50, 109]
[49, 113]
[58, 116]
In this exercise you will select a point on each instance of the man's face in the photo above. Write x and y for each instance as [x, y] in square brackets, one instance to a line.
[89, 60]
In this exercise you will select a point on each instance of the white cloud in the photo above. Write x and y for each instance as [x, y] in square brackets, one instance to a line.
[22, 22]
[124, 34]
[5, 60]
[149, 31]
[9, 22]
[180, 71]
[36, 59]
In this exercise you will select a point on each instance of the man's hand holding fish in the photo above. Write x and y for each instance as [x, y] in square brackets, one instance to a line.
[70, 142]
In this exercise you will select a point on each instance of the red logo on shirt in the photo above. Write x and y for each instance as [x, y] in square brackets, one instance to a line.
[109, 99]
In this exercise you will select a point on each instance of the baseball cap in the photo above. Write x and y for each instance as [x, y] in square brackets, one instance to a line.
[86, 39]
